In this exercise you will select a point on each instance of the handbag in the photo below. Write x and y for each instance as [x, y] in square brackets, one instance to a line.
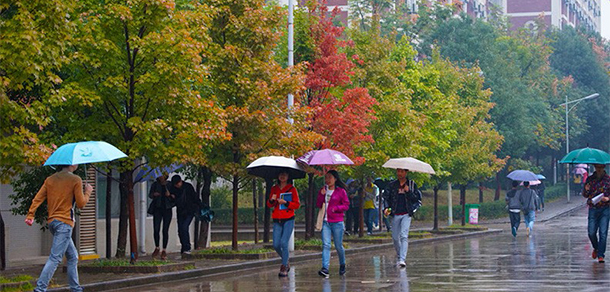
[320, 219]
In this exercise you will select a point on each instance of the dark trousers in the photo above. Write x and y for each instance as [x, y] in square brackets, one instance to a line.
[515, 219]
[184, 221]
[352, 222]
[165, 216]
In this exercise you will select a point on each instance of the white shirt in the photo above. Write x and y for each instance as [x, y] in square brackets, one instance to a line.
[329, 193]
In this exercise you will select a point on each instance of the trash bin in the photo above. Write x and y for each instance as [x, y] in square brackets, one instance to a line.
[472, 213]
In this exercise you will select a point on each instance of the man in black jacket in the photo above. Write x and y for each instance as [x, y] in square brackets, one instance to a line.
[402, 198]
[187, 203]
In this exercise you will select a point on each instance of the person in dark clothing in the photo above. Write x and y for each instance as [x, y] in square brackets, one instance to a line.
[514, 208]
[402, 199]
[161, 209]
[353, 214]
[187, 203]
[540, 190]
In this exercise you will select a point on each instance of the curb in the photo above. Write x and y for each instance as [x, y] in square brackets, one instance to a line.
[575, 208]
[232, 268]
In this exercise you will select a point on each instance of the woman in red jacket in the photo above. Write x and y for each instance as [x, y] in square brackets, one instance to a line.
[284, 199]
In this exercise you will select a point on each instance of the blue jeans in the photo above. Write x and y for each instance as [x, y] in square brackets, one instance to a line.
[400, 235]
[184, 222]
[598, 222]
[529, 217]
[62, 244]
[337, 230]
[369, 219]
[281, 236]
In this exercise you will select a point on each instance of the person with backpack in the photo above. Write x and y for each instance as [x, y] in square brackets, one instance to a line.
[284, 199]
[402, 199]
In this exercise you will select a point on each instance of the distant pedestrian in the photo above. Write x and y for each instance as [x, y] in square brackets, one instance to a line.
[402, 199]
[161, 208]
[61, 190]
[599, 214]
[353, 214]
[187, 203]
[371, 194]
[334, 199]
[514, 208]
[284, 199]
[540, 190]
[529, 205]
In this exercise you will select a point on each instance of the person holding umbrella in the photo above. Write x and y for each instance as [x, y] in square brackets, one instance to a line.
[598, 184]
[333, 201]
[161, 208]
[61, 190]
[402, 198]
[284, 199]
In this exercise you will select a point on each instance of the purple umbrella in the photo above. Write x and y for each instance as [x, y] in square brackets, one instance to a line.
[324, 157]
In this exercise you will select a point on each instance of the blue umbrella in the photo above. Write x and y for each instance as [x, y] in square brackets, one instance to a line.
[540, 176]
[84, 152]
[522, 175]
[587, 156]
[151, 174]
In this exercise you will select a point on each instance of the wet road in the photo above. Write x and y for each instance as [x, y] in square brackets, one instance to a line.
[555, 258]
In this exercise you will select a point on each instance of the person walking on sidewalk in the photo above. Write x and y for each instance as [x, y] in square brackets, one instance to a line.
[284, 199]
[599, 214]
[529, 205]
[61, 190]
[353, 214]
[187, 203]
[333, 199]
[402, 199]
[161, 208]
[371, 195]
[514, 208]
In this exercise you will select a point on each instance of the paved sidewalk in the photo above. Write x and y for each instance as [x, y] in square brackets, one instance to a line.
[552, 210]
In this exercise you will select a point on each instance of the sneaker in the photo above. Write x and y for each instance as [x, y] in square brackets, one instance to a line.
[188, 252]
[283, 272]
[601, 260]
[369, 233]
[155, 253]
[287, 268]
[594, 254]
[347, 233]
[163, 255]
[323, 272]
[341, 270]
[402, 264]
[514, 230]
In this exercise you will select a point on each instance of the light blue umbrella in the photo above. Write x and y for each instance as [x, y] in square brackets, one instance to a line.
[540, 176]
[522, 175]
[587, 156]
[84, 152]
[147, 174]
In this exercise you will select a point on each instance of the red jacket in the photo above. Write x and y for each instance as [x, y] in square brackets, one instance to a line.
[292, 205]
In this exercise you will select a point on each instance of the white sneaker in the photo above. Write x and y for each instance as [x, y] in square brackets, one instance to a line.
[401, 264]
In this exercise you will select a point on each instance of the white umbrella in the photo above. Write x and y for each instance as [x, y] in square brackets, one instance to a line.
[410, 164]
[271, 166]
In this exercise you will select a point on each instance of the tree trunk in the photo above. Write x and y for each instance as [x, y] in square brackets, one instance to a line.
[498, 187]
[109, 212]
[255, 206]
[463, 202]
[480, 192]
[267, 219]
[310, 208]
[235, 205]
[435, 207]
[133, 237]
[121, 245]
[2, 244]
[205, 175]
[361, 212]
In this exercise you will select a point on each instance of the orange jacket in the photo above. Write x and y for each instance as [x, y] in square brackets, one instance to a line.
[292, 205]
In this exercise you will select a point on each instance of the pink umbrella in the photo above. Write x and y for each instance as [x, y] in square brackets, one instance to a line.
[324, 157]
[581, 165]
[532, 183]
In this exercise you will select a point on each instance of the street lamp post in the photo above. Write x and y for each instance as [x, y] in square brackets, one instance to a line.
[576, 102]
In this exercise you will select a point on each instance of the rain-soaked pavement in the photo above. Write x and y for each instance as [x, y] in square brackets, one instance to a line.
[555, 258]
